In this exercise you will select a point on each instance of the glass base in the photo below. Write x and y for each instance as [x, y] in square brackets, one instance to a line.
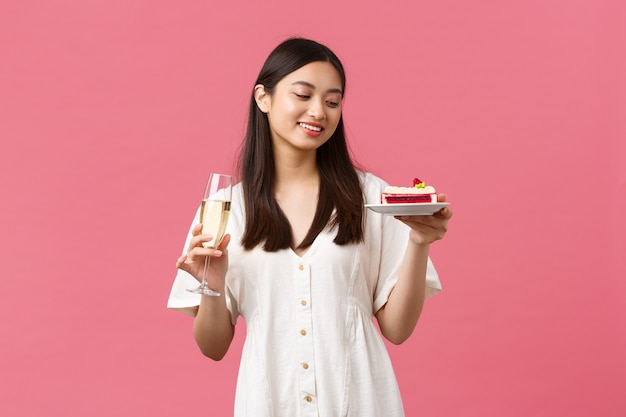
[204, 290]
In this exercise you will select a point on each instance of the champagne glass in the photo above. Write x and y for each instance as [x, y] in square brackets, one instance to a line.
[214, 213]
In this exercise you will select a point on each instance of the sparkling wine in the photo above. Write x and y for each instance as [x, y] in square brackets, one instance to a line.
[214, 216]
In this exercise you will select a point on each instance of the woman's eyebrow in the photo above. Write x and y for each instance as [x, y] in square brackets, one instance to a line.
[311, 86]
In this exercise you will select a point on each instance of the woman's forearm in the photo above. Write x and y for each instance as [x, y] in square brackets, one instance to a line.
[398, 317]
[212, 327]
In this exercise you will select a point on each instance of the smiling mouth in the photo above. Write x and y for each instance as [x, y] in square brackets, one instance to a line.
[311, 127]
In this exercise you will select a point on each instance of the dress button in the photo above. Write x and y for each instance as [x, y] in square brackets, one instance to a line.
[303, 302]
[301, 267]
[305, 365]
[303, 332]
[308, 398]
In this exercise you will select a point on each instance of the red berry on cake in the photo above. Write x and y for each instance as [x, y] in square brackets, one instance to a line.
[417, 183]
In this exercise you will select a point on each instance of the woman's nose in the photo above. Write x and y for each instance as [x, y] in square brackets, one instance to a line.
[316, 109]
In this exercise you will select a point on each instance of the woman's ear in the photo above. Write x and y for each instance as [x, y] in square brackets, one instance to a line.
[262, 98]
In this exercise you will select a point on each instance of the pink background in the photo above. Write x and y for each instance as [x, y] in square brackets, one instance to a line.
[113, 111]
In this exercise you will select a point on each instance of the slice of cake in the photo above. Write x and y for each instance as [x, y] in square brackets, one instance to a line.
[419, 193]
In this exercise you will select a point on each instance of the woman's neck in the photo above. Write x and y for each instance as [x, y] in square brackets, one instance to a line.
[296, 168]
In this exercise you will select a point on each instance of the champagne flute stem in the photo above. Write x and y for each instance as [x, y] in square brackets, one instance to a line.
[204, 286]
[206, 268]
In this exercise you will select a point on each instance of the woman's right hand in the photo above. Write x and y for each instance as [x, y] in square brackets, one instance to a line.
[193, 260]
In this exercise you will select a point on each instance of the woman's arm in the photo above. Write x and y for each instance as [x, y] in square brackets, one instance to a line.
[212, 326]
[398, 317]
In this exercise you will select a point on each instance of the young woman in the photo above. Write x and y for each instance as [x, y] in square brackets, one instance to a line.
[303, 262]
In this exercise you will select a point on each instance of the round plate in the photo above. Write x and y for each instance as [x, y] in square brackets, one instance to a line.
[412, 209]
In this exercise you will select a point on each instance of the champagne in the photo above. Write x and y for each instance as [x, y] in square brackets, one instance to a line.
[214, 216]
[214, 212]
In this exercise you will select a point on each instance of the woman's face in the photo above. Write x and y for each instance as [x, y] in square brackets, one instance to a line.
[305, 108]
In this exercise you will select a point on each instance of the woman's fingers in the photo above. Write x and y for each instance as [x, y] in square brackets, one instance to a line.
[224, 243]
[444, 213]
[193, 260]
[180, 263]
[427, 229]
[197, 229]
[199, 248]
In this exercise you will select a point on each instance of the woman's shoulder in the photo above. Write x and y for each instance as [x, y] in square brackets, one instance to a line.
[237, 203]
[372, 186]
[371, 182]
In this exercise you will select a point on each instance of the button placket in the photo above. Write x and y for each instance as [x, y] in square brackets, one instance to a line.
[306, 373]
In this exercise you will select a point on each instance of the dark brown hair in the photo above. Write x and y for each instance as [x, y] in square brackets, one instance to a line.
[340, 188]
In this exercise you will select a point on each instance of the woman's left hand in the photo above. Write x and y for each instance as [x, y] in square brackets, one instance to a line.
[427, 229]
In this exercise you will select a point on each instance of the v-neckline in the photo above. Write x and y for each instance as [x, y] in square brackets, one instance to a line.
[308, 251]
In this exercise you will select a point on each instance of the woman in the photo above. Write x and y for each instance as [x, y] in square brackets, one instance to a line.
[303, 262]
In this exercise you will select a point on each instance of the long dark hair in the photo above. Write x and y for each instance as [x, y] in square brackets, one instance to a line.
[340, 188]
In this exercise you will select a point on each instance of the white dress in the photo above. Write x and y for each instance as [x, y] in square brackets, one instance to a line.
[311, 348]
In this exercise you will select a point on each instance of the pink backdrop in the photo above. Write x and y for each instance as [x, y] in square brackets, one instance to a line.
[113, 111]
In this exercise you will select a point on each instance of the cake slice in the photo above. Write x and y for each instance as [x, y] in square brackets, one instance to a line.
[419, 193]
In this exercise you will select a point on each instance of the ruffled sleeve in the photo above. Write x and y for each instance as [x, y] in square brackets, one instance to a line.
[387, 239]
[182, 300]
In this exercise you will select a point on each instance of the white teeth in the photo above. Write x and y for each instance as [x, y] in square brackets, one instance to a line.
[315, 128]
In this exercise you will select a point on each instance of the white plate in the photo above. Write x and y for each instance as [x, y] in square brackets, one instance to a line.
[412, 209]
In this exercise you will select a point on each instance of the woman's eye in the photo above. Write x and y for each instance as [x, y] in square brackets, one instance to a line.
[332, 103]
[302, 96]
